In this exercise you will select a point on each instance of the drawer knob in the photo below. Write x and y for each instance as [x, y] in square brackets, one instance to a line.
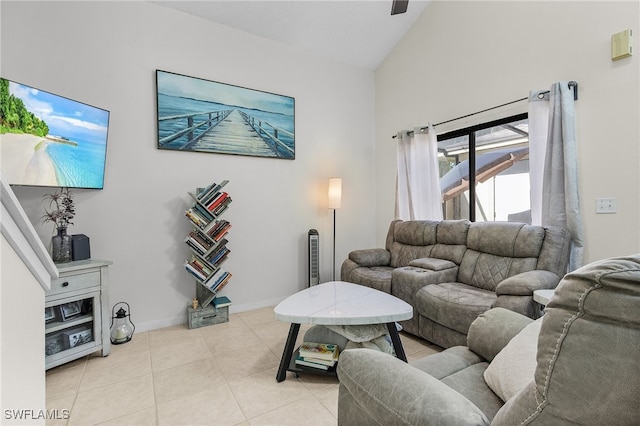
[65, 284]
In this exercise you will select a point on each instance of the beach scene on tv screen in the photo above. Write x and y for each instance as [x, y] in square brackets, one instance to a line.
[50, 140]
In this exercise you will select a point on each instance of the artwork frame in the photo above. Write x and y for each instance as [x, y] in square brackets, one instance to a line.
[77, 337]
[70, 310]
[50, 314]
[195, 114]
[53, 344]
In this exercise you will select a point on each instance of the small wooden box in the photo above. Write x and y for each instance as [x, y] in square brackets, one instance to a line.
[202, 317]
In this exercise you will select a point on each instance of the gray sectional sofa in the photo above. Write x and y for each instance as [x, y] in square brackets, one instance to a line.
[452, 271]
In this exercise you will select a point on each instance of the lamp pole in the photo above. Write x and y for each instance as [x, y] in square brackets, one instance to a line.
[334, 246]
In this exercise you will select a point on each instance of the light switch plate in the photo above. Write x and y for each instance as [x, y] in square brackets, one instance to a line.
[621, 45]
[606, 205]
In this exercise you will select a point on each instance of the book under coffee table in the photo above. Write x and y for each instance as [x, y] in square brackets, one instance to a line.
[339, 303]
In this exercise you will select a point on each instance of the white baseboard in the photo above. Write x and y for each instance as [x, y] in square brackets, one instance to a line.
[182, 319]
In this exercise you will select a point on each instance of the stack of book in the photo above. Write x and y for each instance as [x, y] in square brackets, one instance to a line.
[317, 355]
[218, 229]
[218, 280]
[221, 302]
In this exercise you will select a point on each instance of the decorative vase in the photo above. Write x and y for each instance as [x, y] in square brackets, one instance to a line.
[61, 246]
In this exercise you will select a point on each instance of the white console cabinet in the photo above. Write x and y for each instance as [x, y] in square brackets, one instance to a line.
[77, 313]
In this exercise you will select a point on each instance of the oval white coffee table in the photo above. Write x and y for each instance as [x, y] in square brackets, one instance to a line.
[340, 303]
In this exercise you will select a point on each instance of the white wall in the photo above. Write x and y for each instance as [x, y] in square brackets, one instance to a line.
[106, 54]
[22, 331]
[462, 57]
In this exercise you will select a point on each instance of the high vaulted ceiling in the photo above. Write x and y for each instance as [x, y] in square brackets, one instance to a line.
[358, 32]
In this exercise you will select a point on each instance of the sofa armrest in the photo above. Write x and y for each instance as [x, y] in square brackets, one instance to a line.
[432, 263]
[371, 257]
[493, 329]
[395, 393]
[525, 283]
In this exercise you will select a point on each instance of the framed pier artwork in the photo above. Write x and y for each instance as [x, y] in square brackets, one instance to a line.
[207, 116]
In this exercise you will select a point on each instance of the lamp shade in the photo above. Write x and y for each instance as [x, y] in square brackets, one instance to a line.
[335, 192]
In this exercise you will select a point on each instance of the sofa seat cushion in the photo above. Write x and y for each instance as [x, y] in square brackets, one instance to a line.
[462, 370]
[470, 383]
[378, 277]
[448, 362]
[453, 305]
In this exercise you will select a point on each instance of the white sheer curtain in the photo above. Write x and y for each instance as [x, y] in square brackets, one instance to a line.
[553, 164]
[418, 194]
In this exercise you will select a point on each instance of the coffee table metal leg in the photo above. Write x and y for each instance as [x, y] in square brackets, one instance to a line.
[288, 352]
[397, 344]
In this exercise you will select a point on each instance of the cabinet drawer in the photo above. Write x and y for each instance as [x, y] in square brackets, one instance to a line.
[208, 316]
[74, 282]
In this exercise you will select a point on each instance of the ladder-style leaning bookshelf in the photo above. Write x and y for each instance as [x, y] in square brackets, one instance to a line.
[207, 241]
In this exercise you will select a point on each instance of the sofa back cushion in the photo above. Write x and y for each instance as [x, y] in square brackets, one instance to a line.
[507, 239]
[498, 250]
[411, 240]
[554, 255]
[417, 239]
[451, 240]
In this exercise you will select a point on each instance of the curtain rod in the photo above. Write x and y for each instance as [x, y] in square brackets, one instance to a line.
[573, 84]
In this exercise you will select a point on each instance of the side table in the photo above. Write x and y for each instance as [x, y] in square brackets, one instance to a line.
[542, 296]
[77, 313]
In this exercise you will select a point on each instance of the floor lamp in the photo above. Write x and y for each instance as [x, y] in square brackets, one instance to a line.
[335, 200]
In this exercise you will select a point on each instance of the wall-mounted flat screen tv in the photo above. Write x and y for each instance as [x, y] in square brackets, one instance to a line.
[50, 140]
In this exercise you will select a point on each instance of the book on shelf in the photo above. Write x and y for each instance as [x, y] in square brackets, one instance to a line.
[221, 207]
[217, 278]
[196, 247]
[221, 301]
[216, 255]
[322, 361]
[221, 282]
[195, 218]
[201, 266]
[201, 192]
[219, 231]
[326, 351]
[217, 200]
[302, 361]
[202, 237]
[215, 227]
[206, 196]
[196, 241]
[193, 271]
[206, 214]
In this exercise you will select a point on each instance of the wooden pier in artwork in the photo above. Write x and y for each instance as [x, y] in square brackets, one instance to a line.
[229, 131]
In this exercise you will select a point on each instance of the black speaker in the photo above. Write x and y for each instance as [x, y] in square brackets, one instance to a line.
[80, 249]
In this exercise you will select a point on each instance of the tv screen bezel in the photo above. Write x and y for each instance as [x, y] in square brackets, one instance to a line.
[106, 139]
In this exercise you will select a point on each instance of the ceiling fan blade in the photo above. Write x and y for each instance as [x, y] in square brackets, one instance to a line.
[399, 6]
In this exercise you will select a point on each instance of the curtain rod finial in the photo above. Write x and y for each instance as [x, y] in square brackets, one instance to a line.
[574, 84]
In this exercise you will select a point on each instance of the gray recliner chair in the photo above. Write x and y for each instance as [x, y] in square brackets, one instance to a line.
[583, 364]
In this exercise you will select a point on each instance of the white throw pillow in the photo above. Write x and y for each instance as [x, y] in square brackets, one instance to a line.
[514, 366]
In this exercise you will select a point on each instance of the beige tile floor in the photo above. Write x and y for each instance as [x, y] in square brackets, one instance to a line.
[217, 375]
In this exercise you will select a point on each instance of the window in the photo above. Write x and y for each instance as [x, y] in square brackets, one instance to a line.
[498, 151]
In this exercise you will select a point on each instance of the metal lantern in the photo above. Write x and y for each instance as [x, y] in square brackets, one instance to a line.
[121, 326]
